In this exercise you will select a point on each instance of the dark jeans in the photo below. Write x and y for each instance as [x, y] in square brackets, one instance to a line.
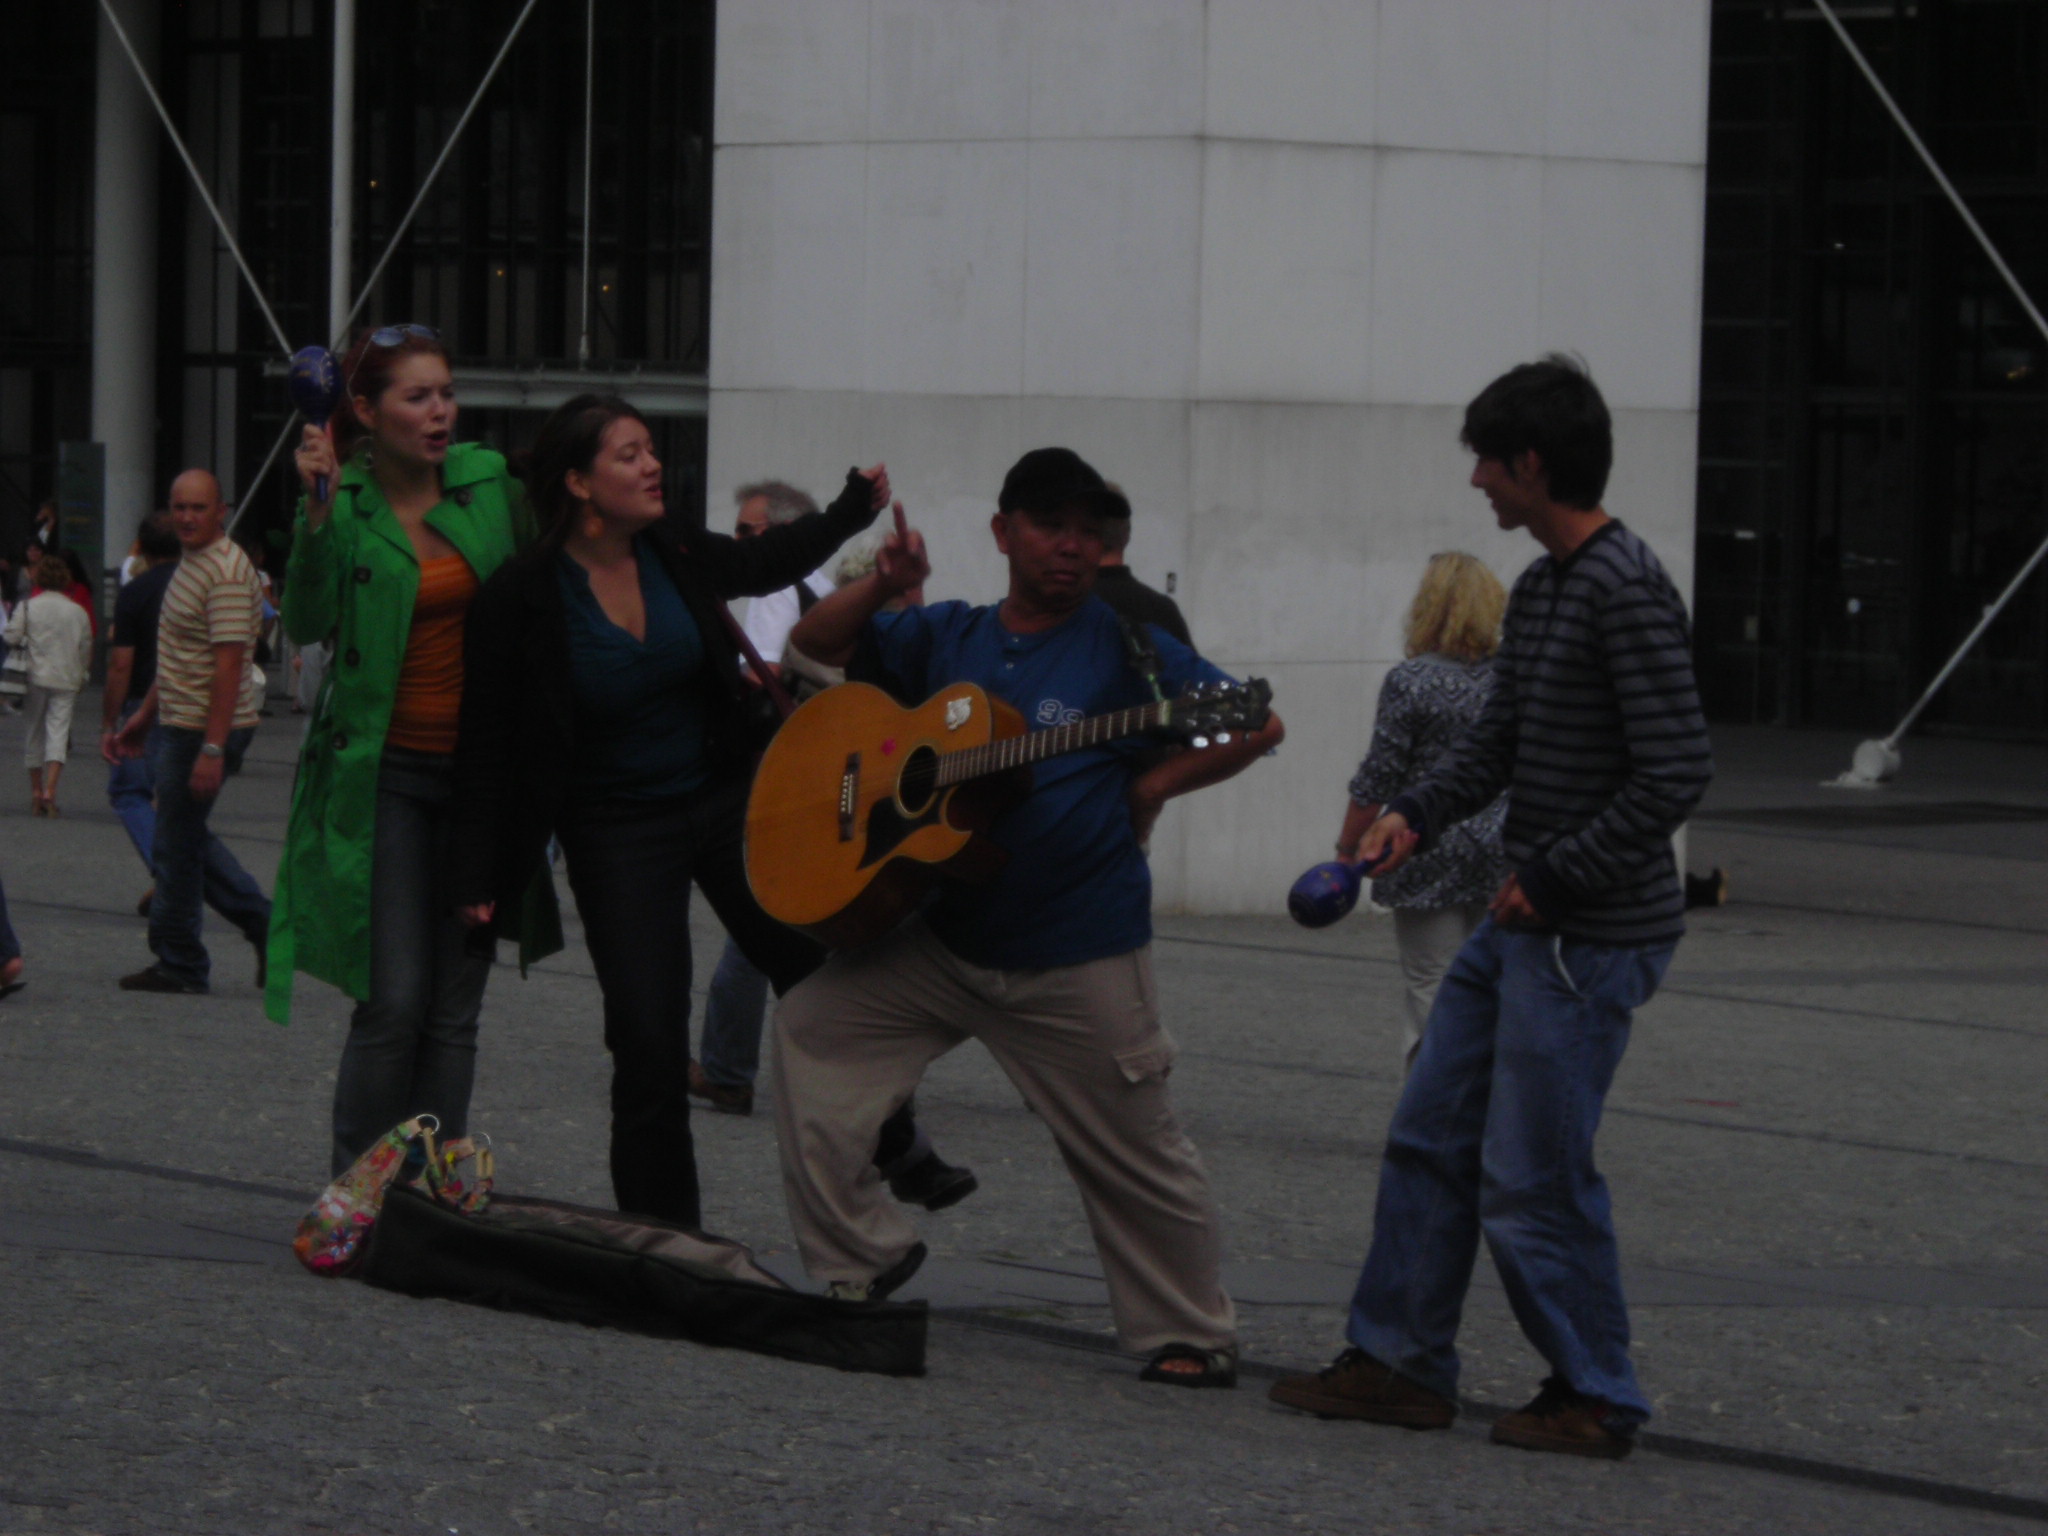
[10, 946]
[631, 864]
[191, 865]
[412, 1043]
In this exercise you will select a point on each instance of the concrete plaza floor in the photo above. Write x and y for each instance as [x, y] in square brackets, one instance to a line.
[1827, 1149]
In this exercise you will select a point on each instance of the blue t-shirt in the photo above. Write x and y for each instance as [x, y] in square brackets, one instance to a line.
[1076, 887]
[639, 707]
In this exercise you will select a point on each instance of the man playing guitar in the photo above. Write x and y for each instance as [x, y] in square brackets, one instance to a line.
[1048, 964]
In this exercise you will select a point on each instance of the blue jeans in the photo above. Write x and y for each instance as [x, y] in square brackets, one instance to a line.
[131, 791]
[730, 1045]
[187, 858]
[411, 1045]
[1494, 1134]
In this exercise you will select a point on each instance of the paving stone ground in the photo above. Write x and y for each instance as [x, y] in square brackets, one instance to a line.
[1826, 1145]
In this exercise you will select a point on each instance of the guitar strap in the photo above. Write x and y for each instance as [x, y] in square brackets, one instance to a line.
[784, 704]
[1142, 654]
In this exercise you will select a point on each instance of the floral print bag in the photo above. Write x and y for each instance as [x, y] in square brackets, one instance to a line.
[332, 1235]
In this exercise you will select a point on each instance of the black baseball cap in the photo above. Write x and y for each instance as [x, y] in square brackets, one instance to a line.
[1048, 479]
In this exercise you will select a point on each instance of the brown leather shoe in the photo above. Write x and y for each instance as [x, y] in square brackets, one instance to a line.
[1570, 1423]
[726, 1101]
[1356, 1386]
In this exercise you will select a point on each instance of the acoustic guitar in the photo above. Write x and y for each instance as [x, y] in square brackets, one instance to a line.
[861, 805]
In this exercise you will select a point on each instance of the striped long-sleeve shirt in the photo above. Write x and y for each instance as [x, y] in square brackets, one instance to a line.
[1594, 730]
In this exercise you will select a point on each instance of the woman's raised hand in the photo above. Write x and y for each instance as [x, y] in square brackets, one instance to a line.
[900, 564]
[315, 458]
[878, 482]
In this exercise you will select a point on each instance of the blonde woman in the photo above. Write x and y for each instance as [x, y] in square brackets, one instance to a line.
[1425, 705]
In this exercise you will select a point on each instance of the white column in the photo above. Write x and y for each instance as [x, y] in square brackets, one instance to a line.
[124, 275]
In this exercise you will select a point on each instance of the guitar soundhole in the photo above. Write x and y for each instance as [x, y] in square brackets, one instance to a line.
[918, 781]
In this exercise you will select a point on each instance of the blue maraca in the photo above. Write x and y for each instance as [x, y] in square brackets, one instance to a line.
[314, 384]
[1329, 891]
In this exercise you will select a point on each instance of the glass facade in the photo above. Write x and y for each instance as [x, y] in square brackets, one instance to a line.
[494, 259]
[1874, 401]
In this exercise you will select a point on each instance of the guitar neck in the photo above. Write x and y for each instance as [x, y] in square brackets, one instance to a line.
[1036, 746]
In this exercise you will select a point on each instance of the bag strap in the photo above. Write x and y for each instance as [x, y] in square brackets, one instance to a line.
[1142, 653]
[784, 704]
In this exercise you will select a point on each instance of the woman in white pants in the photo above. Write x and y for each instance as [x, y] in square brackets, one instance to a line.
[1425, 704]
[55, 634]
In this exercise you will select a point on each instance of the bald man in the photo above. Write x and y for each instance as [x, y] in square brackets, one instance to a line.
[204, 705]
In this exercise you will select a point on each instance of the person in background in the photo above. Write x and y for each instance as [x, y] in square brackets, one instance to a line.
[131, 672]
[79, 587]
[203, 710]
[1119, 587]
[56, 638]
[387, 568]
[10, 953]
[729, 1045]
[1426, 704]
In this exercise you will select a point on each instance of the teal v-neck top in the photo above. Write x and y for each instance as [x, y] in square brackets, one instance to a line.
[639, 703]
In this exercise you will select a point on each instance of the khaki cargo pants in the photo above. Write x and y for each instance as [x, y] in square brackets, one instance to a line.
[1084, 1046]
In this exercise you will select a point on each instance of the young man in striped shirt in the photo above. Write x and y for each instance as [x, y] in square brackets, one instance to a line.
[205, 702]
[1594, 730]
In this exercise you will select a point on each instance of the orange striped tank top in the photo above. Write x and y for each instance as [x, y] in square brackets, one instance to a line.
[429, 698]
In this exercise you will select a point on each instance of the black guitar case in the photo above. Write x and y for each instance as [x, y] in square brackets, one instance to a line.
[609, 1270]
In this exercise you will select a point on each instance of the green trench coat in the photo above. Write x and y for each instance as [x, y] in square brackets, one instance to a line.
[354, 579]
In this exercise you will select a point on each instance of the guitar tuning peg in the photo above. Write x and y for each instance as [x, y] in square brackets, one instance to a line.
[1223, 738]
[1199, 742]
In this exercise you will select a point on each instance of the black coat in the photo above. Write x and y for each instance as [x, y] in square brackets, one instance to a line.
[515, 753]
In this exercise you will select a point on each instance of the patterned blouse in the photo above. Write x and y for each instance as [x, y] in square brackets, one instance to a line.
[1425, 705]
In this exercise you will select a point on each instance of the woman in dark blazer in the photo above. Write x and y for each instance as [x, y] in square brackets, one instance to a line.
[604, 703]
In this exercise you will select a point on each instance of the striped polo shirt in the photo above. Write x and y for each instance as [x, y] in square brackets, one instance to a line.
[1594, 729]
[213, 599]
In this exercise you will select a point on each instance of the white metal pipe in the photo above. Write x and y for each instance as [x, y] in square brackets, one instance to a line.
[589, 115]
[1963, 650]
[198, 181]
[341, 174]
[124, 280]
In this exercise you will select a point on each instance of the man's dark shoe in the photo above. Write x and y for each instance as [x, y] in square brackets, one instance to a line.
[1356, 1386]
[157, 979]
[721, 1097]
[1570, 1423]
[933, 1183]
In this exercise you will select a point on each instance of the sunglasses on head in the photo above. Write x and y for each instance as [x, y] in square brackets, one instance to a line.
[394, 335]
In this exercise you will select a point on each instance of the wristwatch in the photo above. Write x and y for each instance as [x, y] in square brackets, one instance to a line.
[212, 749]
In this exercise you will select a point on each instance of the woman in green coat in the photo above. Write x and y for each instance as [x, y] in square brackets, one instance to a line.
[384, 571]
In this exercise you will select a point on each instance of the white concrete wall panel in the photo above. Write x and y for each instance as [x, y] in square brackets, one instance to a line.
[791, 72]
[947, 69]
[1621, 252]
[945, 268]
[1112, 267]
[1294, 70]
[1446, 306]
[1286, 267]
[1462, 74]
[789, 295]
[1627, 80]
[1132, 68]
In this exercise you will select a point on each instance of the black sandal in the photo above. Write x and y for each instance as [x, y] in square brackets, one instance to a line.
[1218, 1366]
